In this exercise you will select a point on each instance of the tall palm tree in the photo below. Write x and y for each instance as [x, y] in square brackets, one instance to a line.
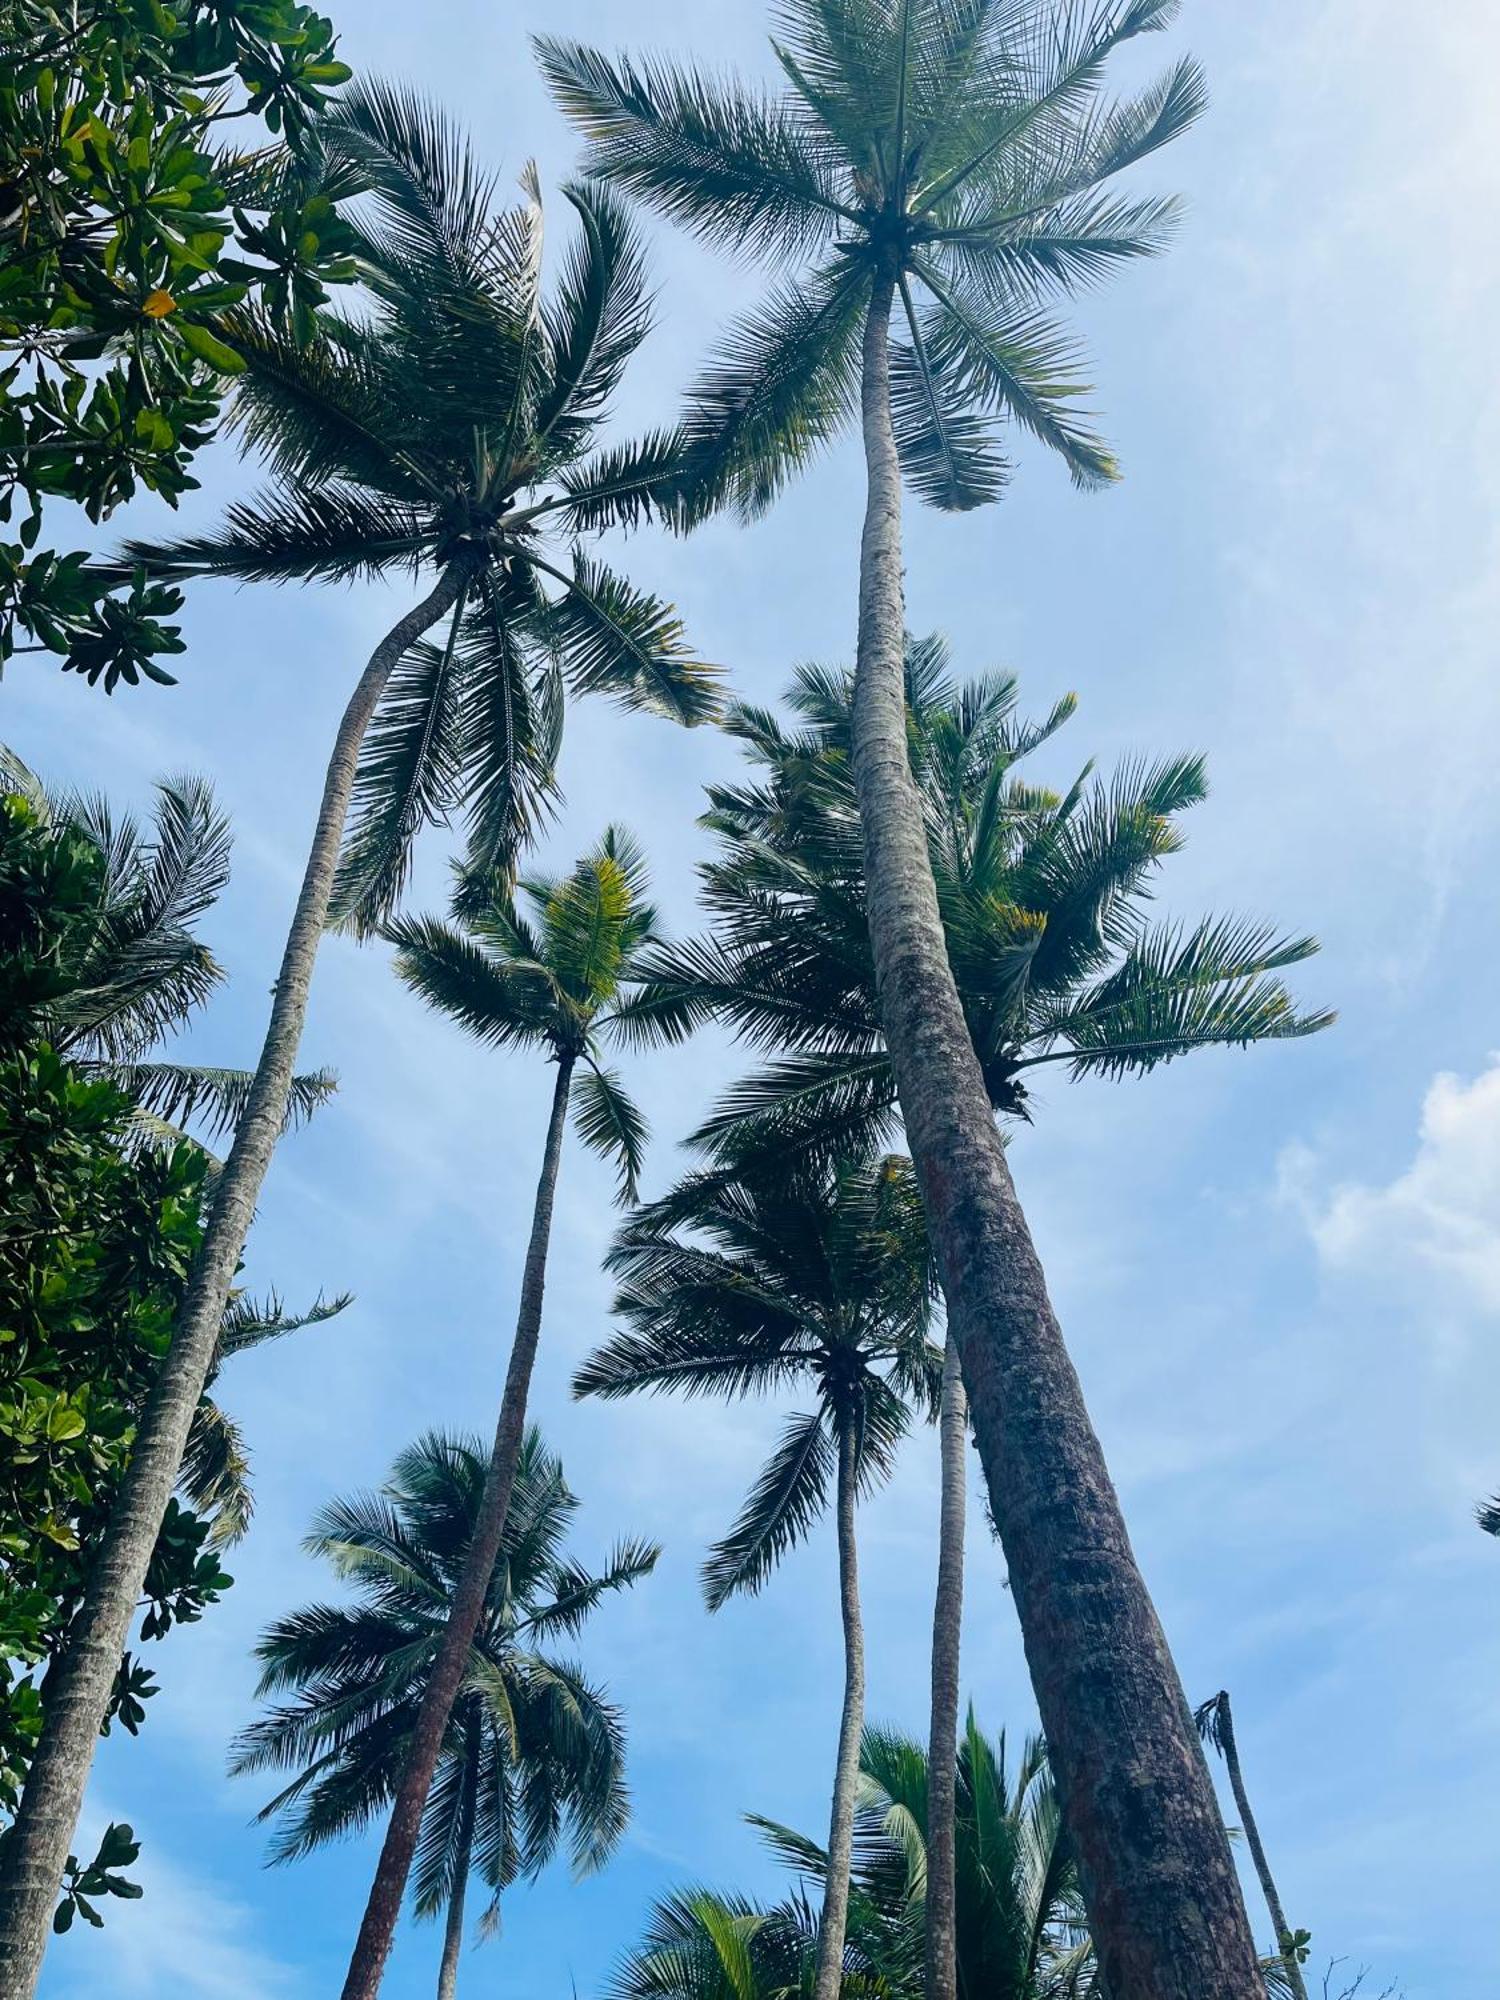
[447, 431]
[1215, 1720]
[1045, 900]
[948, 162]
[819, 1277]
[1020, 1922]
[531, 1754]
[551, 981]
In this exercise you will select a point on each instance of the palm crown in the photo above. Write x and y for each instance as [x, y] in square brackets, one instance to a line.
[1045, 899]
[945, 155]
[1022, 1934]
[533, 1752]
[456, 420]
[555, 979]
[821, 1278]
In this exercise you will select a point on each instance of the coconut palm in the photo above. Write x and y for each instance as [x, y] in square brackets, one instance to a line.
[447, 431]
[1046, 901]
[948, 162]
[532, 1755]
[549, 981]
[1021, 1929]
[1215, 1720]
[817, 1276]
[131, 971]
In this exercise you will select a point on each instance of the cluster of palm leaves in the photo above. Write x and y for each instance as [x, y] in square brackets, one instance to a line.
[533, 1754]
[1022, 1933]
[901, 928]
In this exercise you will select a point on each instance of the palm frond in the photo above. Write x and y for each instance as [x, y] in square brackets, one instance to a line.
[612, 638]
[609, 1122]
[781, 1508]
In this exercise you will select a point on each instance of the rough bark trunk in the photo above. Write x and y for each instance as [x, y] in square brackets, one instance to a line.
[1164, 1903]
[942, 1741]
[453, 1928]
[372, 1946]
[1279, 1923]
[80, 1684]
[834, 1919]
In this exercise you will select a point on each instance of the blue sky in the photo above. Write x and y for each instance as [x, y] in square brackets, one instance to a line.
[1279, 1271]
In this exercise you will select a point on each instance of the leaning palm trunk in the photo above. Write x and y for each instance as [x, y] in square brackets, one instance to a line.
[79, 1686]
[1223, 1735]
[1164, 1903]
[942, 1742]
[835, 1917]
[372, 1946]
[453, 1928]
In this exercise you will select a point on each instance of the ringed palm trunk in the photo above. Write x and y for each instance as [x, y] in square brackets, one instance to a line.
[834, 1919]
[1164, 1904]
[80, 1683]
[453, 1927]
[942, 1742]
[1268, 1888]
[372, 1946]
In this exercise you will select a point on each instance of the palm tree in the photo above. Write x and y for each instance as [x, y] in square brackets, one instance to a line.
[1215, 1722]
[552, 982]
[531, 1754]
[1021, 1928]
[818, 1276]
[949, 161]
[1045, 900]
[447, 430]
[131, 971]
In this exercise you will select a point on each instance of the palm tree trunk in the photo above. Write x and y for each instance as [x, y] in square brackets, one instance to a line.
[372, 1946]
[942, 1742]
[453, 1929]
[835, 1915]
[1164, 1903]
[36, 1848]
[1225, 1738]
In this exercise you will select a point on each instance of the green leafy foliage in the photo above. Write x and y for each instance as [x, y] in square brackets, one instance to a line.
[453, 418]
[1021, 1931]
[98, 1234]
[534, 1753]
[128, 230]
[814, 1276]
[83, 1886]
[550, 970]
[1047, 900]
[945, 163]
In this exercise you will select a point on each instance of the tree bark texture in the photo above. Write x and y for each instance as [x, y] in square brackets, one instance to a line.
[1164, 1903]
[372, 1946]
[82, 1679]
[834, 1920]
[947, 1637]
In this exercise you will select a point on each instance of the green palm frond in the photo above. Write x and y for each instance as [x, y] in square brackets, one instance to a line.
[215, 1474]
[498, 1003]
[781, 1510]
[213, 1099]
[249, 1322]
[614, 639]
[610, 1123]
[533, 1758]
[734, 166]
[328, 533]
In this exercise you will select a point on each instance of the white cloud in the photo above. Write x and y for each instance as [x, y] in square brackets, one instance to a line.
[1443, 1210]
[185, 1937]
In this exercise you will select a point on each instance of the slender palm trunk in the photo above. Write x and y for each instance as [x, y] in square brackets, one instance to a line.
[1164, 1903]
[372, 1946]
[1279, 1923]
[834, 1920]
[942, 1741]
[79, 1688]
[453, 1928]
